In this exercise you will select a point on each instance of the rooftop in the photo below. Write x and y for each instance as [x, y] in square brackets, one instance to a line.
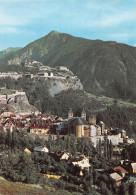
[120, 168]
[77, 121]
[115, 176]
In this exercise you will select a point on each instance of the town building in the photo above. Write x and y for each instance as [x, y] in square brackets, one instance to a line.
[76, 126]
[122, 171]
[92, 130]
[61, 155]
[45, 74]
[41, 149]
[116, 177]
[63, 68]
[13, 75]
[80, 160]
[133, 165]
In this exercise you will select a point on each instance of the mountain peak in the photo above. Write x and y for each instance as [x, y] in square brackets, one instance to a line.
[54, 32]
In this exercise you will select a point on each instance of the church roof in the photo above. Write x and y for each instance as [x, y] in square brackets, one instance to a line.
[76, 121]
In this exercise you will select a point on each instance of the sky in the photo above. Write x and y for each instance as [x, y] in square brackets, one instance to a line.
[24, 21]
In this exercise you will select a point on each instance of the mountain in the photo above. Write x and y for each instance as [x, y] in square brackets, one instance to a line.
[8, 51]
[104, 67]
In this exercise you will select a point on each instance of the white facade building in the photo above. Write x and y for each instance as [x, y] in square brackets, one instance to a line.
[92, 131]
[64, 68]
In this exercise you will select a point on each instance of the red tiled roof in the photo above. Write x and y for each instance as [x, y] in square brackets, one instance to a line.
[120, 168]
[12, 115]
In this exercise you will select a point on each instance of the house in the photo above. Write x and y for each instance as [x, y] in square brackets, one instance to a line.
[132, 180]
[58, 125]
[116, 177]
[45, 74]
[61, 155]
[27, 151]
[37, 130]
[119, 168]
[102, 125]
[41, 149]
[98, 130]
[51, 176]
[92, 130]
[133, 165]
[8, 127]
[116, 150]
[80, 160]
[63, 68]
[6, 114]
[29, 76]
[130, 141]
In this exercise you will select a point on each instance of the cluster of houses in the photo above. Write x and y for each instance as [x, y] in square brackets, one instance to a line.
[13, 75]
[117, 173]
[33, 123]
[60, 72]
[30, 63]
[39, 124]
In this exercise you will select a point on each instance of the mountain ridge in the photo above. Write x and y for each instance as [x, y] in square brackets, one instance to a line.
[8, 51]
[104, 67]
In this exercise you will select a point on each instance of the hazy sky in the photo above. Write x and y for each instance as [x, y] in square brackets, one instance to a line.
[23, 21]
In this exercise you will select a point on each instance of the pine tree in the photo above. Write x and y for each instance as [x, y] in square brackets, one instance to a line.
[122, 189]
[99, 149]
[49, 143]
[105, 149]
[8, 140]
[68, 144]
[14, 139]
[110, 150]
[131, 189]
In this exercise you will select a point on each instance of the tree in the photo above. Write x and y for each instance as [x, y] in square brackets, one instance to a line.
[105, 149]
[8, 140]
[68, 144]
[125, 154]
[122, 189]
[14, 140]
[99, 149]
[103, 187]
[110, 150]
[131, 189]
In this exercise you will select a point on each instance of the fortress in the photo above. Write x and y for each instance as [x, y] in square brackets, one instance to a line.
[12, 98]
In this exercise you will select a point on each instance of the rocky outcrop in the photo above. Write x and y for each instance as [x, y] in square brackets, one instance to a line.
[59, 85]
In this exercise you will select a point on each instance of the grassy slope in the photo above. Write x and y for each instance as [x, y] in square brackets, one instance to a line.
[13, 188]
[106, 101]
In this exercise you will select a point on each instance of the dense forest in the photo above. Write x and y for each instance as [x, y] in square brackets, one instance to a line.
[117, 117]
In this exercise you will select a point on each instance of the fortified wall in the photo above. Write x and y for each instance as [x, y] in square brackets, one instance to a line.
[14, 98]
